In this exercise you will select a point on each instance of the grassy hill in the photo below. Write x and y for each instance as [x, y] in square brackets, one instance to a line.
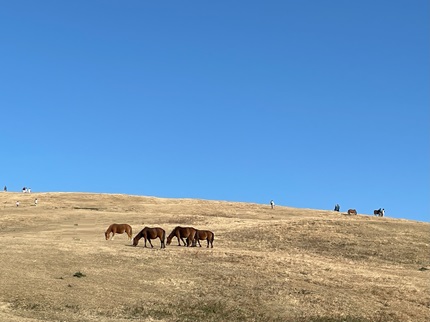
[284, 264]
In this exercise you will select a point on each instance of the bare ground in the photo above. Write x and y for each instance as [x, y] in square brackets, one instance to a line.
[284, 264]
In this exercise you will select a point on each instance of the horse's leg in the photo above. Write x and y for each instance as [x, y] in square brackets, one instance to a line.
[149, 239]
[199, 242]
[207, 239]
[180, 238]
[113, 234]
[162, 243]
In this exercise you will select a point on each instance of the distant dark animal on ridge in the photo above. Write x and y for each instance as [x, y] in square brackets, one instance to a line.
[380, 212]
[150, 233]
[202, 235]
[180, 233]
[119, 229]
[352, 212]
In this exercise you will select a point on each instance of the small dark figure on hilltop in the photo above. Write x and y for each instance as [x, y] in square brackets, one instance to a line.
[272, 204]
[5, 189]
[337, 207]
[380, 212]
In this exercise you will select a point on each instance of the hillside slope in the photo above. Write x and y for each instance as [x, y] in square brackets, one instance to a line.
[284, 264]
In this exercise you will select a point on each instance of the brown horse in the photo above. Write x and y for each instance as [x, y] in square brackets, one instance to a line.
[150, 233]
[202, 235]
[352, 212]
[180, 233]
[119, 229]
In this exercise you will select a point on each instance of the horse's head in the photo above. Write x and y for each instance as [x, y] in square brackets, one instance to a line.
[135, 241]
[168, 241]
[106, 235]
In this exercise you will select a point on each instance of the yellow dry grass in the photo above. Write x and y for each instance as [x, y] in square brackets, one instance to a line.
[284, 264]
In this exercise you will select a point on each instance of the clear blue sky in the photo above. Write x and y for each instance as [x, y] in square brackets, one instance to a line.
[309, 103]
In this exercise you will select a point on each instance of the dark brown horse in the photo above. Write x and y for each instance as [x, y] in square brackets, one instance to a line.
[202, 235]
[380, 212]
[181, 233]
[150, 233]
[118, 229]
[352, 212]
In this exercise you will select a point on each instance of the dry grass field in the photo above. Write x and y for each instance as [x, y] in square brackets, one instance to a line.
[285, 264]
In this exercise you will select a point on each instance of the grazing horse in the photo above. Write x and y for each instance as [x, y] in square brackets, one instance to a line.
[119, 229]
[352, 212]
[380, 212]
[202, 235]
[180, 233]
[150, 233]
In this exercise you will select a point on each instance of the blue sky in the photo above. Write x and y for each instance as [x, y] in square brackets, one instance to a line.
[309, 103]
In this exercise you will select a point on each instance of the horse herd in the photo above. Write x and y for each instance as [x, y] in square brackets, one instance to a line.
[191, 235]
[379, 212]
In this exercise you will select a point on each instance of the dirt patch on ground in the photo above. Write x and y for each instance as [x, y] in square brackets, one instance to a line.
[284, 264]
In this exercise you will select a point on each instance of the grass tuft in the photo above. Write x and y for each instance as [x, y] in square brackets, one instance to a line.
[79, 275]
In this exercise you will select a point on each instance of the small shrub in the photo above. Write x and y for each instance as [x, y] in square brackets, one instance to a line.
[79, 275]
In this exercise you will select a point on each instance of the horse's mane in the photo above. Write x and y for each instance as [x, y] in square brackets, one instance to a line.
[172, 234]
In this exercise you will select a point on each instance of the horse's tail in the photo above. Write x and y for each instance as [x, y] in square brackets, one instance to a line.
[212, 240]
[193, 234]
[163, 244]
[191, 237]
